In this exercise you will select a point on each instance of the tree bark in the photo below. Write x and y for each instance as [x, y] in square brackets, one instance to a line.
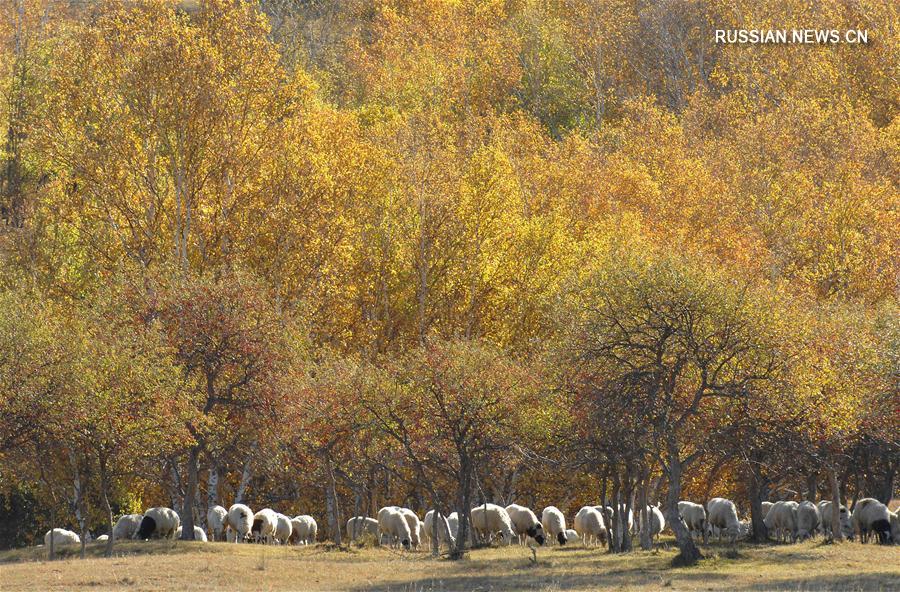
[187, 507]
[837, 533]
[811, 487]
[334, 524]
[463, 502]
[246, 475]
[646, 540]
[757, 490]
[689, 554]
[104, 494]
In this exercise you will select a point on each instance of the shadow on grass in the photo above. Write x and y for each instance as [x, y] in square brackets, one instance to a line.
[877, 582]
[97, 550]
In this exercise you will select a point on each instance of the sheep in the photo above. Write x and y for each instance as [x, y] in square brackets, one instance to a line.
[127, 526]
[453, 521]
[102, 538]
[554, 524]
[158, 523]
[525, 523]
[694, 517]
[572, 535]
[656, 519]
[895, 526]
[304, 530]
[488, 519]
[264, 523]
[722, 514]
[766, 506]
[415, 526]
[590, 526]
[807, 520]
[217, 519]
[283, 529]
[608, 513]
[61, 536]
[445, 536]
[361, 525]
[240, 522]
[870, 516]
[783, 519]
[199, 534]
[825, 513]
[393, 525]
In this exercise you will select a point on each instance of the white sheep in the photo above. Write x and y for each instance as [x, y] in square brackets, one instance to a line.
[572, 535]
[264, 523]
[217, 519]
[102, 538]
[782, 520]
[304, 530]
[872, 516]
[199, 534]
[415, 527]
[656, 519]
[825, 513]
[362, 525]
[807, 520]
[283, 528]
[525, 524]
[61, 537]
[453, 521]
[240, 522]
[445, 536]
[590, 526]
[158, 523]
[554, 524]
[489, 519]
[694, 517]
[127, 526]
[393, 526]
[895, 526]
[721, 514]
[766, 506]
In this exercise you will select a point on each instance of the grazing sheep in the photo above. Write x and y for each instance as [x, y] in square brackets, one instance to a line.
[895, 526]
[199, 534]
[489, 519]
[415, 527]
[392, 524]
[722, 515]
[656, 519]
[825, 507]
[572, 536]
[61, 536]
[361, 525]
[240, 522]
[304, 530]
[694, 517]
[127, 526]
[525, 523]
[102, 538]
[872, 516]
[158, 523]
[782, 519]
[590, 526]
[807, 520]
[217, 519]
[445, 536]
[283, 529]
[554, 524]
[766, 506]
[264, 523]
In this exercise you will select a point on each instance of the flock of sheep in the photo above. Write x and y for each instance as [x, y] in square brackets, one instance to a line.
[401, 527]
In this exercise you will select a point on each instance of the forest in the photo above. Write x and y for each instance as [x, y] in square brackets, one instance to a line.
[330, 255]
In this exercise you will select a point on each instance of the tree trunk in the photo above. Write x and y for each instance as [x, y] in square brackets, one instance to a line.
[463, 503]
[334, 523]
[646, 540]
[837, 533]
[104, 495]
[886, 491]
[190, 493]
[246, 475]
[80, 511]
[757, 490]
[212, 485]
[689, 553]
[811, 487]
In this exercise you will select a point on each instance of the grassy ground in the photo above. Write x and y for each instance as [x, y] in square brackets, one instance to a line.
[199, 566]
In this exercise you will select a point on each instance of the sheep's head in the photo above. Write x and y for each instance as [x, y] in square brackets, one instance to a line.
[561, 537]
[405, 543]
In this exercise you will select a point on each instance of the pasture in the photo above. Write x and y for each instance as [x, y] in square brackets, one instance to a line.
[167, 565]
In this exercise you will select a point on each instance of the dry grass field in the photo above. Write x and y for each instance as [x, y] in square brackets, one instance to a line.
[198, 566]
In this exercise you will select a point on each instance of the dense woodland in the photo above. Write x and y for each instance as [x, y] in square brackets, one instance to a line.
[326, 256]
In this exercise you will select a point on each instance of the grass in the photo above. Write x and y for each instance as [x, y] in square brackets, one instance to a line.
[198, 566]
